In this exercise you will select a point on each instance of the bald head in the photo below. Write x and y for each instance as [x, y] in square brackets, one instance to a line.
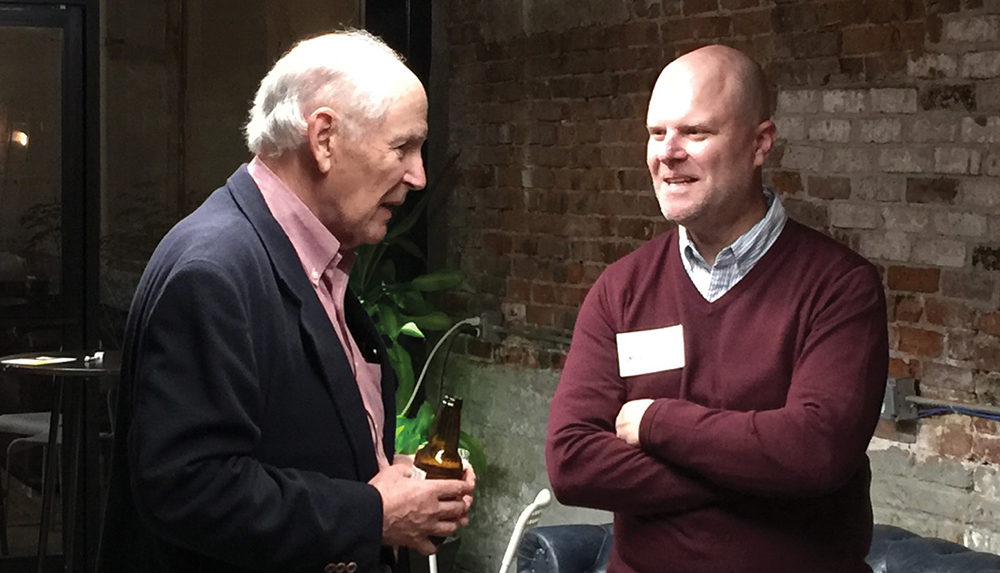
[727, 73]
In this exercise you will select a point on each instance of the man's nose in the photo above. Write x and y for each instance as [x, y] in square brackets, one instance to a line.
[415, 178]
[670, 148]
[673, 148]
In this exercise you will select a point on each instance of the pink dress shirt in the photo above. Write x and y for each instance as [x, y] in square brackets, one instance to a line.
[327, 268]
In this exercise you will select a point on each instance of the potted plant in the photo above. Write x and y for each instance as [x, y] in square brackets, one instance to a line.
[401, 310]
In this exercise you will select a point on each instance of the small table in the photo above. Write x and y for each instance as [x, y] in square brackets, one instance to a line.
[77, 393]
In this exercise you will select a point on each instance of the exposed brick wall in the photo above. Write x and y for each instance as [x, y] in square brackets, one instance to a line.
[888, 115]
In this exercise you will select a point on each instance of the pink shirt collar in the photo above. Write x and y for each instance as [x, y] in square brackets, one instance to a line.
[316, 246]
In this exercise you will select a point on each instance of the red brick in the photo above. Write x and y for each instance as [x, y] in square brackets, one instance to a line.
[899, 368]
[543, 293]
[814, 215]
[911, 35]
[887, 65]
[675, 31]
[830, 187]
[990, 323]
[868, 39]
[570, 296]
[908, 309]
[565, 319]
[982, 350]
[752, 23]
[786, 182]
[986, 448]
[539, 315]
[699, 6]
[641, 229]
[943, 6]
[497, 243]
[574, 273]
[739, 5]
[711, 27]
[839, 13]
[799, 17]
[881, 11]
[515, 353]
[526, 268]
[951, 436]
[518, 290]
[919, 342]
[927, 190]
[935, 25]
[911, 279]
[949, 313]
[642, 33]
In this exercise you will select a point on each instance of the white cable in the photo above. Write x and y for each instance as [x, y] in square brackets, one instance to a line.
[474, 321]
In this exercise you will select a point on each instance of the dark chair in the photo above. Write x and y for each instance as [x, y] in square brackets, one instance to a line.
[579, 548]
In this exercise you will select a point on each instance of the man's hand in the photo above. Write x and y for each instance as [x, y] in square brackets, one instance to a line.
[413, 510]
[629, 418]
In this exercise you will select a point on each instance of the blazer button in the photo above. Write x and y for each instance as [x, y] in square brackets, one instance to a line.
[330, 568]
[341, 567]
[351, 567]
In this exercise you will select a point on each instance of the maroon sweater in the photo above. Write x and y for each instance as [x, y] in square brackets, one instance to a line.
[752, 455]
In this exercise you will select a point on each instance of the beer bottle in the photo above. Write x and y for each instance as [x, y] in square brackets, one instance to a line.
[439, 457]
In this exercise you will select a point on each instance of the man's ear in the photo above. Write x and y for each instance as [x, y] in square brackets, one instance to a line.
[764, 137]
[321, 131]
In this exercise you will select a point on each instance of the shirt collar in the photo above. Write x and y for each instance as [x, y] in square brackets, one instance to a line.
[318, 249]
[748, 247]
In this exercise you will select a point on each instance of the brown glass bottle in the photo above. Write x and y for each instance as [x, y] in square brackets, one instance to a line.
[439, 456]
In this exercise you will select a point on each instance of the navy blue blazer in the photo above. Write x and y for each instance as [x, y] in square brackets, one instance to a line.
[241, 439]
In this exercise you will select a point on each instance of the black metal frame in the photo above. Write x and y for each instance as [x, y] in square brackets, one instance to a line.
[79, 20]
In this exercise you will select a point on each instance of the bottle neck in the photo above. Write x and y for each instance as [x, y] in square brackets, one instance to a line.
[448, 422]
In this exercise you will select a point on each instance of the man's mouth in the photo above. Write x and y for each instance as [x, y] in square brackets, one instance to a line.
[679, 180]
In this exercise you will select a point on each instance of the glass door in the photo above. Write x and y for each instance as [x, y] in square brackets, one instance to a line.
[42, 218]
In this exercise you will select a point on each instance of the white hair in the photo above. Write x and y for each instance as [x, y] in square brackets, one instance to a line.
[345, 70]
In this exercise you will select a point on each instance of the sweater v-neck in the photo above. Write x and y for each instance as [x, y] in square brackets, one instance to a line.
[695, 301]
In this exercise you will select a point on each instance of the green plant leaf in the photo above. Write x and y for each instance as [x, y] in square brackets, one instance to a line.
[388, 320]
[411, 329]
[411, 433]
[402, 364]
[410, 247]
[434, 321]
[411, 302]
[438, 280]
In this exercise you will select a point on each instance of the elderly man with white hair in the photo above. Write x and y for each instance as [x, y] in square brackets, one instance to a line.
[254, 427]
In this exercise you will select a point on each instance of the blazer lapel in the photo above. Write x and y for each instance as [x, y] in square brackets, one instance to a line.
[326, 349]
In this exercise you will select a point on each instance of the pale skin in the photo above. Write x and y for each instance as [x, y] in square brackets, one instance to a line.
[708, 139]
[352, 184]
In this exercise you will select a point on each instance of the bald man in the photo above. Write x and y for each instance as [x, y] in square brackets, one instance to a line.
[725, 378]
[255, 419]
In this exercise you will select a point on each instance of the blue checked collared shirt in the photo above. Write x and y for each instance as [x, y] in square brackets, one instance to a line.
[735, 261]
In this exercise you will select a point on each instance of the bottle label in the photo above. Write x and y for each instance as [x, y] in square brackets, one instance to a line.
[418, 473]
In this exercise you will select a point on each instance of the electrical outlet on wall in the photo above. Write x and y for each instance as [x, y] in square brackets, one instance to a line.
[895, 405]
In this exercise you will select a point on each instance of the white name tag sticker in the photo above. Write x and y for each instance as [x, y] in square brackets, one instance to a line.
[648, 351]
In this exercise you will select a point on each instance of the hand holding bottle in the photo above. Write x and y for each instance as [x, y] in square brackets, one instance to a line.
[414, 510]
